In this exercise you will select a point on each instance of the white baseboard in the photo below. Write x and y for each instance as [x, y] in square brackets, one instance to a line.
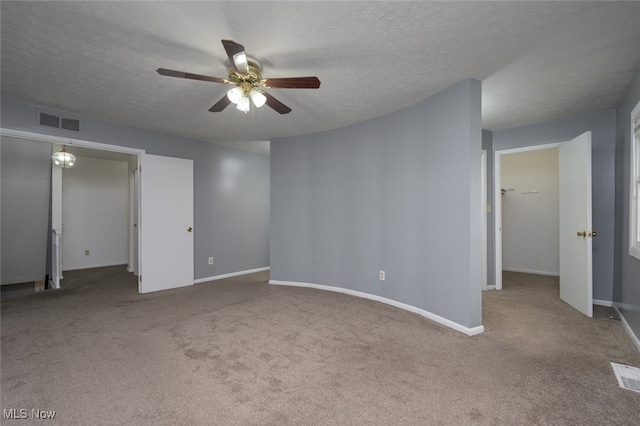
[627, 328]
[626, 306]
[437, 318]
[528, 271]
[490, 287]
[607, 303]
[232, 274]
[102, 265]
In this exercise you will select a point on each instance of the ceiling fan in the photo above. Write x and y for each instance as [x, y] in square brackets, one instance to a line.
[246, 75]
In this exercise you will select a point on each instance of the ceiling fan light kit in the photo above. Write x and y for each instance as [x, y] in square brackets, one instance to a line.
[258, 98]
[243, 104]
[235, 94]
[246, 75]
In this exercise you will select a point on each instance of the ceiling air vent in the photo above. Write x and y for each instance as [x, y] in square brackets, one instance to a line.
[52, 120]
[49, 120]
[70, 124]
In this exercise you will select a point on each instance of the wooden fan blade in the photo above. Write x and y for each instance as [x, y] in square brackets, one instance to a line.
[237, 56]
[276, 104]
[182, 74]
[221, 104]
[293, 83]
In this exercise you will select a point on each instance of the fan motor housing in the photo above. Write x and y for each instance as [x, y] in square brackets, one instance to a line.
[254, 77]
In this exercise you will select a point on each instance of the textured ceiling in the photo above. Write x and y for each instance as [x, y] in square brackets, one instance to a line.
[538, 60]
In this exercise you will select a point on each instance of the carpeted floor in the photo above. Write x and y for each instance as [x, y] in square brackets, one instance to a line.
[241, 352]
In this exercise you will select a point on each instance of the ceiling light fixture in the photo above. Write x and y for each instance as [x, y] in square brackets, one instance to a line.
[235, 94]
[240, 95]
[258, 98]
[246, 74]
[243, 104]
[63, 158]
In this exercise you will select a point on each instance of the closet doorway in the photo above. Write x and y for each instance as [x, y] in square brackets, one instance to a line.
[574, 232]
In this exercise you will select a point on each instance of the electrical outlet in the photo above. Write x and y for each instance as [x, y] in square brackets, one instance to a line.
[382, 275]
[86, 252]
[211, 261]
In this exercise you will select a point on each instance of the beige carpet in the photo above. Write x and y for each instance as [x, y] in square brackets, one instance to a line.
[241, 352]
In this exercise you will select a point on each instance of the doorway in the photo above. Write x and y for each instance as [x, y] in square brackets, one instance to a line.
[530, 212]
[574, 224]
[158, 212]
[94, 209]
[498, 202]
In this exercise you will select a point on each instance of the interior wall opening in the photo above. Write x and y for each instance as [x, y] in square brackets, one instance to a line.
[523, 188]
[97, 219]
[530, 212]
[99, 200]
[559, 180]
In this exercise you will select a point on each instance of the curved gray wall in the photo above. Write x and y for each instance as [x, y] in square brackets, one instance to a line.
[400, 193]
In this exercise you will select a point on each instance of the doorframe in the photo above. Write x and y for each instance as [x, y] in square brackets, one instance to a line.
[483, 215]
[51, 139]
[134, 186]
[497, 200]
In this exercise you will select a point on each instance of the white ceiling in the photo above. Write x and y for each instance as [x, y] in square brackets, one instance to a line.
[538, 60]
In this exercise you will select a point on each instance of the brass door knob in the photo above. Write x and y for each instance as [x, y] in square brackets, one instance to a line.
[585, 234]
[189, 229]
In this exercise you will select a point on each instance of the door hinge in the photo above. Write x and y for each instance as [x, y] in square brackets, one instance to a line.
[140, 169]
[140, 278]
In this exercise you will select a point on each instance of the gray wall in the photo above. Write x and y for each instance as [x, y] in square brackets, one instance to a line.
[603, 136]
[626, 291]
[231, 188]
[487, 145]
[95, 213]
[25, 194]
[399, 193]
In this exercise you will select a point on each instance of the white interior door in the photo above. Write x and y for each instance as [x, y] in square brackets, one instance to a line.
[166, 211]
[576, 277]
[136, 220]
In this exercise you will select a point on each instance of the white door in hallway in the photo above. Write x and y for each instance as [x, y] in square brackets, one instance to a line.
[576, 233]
[166, 225]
